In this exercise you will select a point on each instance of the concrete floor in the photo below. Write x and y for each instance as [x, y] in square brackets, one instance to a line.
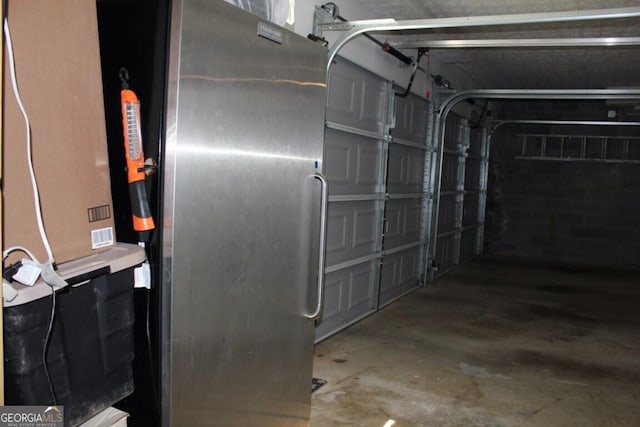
[497, 342]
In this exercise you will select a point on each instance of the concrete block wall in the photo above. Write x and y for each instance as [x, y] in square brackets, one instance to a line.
[578, 212]
[573, 212]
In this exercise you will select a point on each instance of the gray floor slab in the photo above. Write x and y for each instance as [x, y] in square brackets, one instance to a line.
[498, 342]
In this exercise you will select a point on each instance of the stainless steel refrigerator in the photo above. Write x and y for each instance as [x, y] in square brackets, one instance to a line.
[244, 216]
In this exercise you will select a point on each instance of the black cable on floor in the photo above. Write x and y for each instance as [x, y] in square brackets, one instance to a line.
[46, 347]
[154, 386]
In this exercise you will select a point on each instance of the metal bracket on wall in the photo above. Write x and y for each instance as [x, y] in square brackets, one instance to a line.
[323, 15]
[573, 148]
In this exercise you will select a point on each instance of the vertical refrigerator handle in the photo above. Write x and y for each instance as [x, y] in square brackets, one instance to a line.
[323, 243]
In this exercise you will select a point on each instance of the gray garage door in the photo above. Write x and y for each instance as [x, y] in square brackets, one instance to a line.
[354, 165]
[407, 202]
[371, 260]
[475, 194]
[460, 211]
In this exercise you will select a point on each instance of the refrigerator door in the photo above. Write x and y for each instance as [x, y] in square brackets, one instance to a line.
[245, 123]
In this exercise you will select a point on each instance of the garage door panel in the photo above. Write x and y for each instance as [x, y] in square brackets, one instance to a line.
[396, 169]
[406, 169]
[356, 97]
[450, 172]
[367, 174]
[408, 266]
[404, 217]
[476, 138]
[333, 296]
[361, 289]
[350, 295]
[337, 163]
[389, 274]
[454, 132]
[412, 113]
[447, 253]
[415, 174]
[337, 220]
[394, 214]
[469, 244]
[412, 218]
[365, 228]
[372, 103]
[343, 97]
[472, 174]
[351, 163]
[352, 230]
[400, 274]
[447, 213]
[471, 207]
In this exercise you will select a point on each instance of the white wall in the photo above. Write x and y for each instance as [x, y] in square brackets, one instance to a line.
[361, 51]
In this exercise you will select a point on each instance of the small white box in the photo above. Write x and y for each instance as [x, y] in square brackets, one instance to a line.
[110, 417]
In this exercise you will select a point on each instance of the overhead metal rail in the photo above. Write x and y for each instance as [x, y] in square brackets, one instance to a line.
[356, 28]
[495, 125]
[518, 43]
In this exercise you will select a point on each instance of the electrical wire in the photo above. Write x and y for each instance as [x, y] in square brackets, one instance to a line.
[413, 76]
[11, 249]
[45, 347]
[34, 184]
[36, 201]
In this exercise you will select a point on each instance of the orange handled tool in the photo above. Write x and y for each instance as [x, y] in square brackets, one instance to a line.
[142, 219]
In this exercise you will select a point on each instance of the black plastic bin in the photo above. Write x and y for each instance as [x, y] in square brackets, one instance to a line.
[91, 348]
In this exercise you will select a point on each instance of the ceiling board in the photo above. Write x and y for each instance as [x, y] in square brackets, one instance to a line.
[591, 67]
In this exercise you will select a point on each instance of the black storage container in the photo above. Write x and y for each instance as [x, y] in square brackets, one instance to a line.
[91, 346]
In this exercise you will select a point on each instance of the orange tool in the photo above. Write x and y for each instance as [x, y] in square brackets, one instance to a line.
[142, 219]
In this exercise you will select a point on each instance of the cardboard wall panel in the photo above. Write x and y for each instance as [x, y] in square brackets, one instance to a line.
[58, 72]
